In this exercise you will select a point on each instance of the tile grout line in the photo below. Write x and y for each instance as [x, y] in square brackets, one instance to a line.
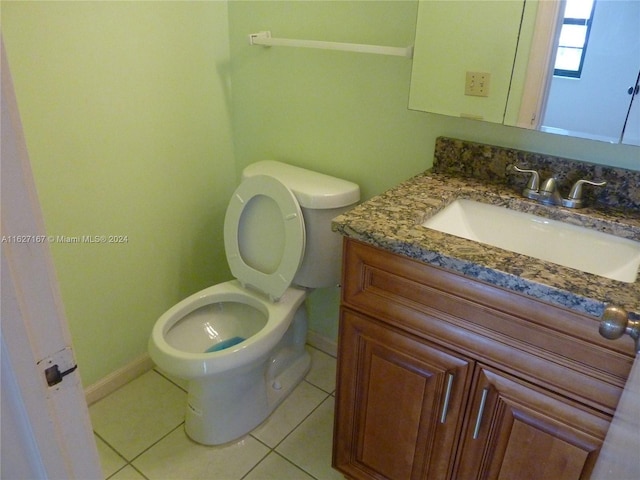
[170, 381]
[259, 461]
[126, 462]
[295, 465]
[130, 462]
[125, 466]
[327, 395]
[270, 449]
[273, 449]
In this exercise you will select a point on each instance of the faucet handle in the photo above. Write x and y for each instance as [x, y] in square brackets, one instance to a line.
[534, 181]
[576, 190]
[574, 200]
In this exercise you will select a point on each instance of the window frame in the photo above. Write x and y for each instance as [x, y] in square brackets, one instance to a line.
[588, 22]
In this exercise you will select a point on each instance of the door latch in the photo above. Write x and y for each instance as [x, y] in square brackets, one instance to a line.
[58, 366]
[54, 376]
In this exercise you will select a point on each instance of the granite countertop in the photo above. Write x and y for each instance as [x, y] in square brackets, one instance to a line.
[392, 221]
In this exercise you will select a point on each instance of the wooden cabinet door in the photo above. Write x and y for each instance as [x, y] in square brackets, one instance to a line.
[517, 431]
[398, 404]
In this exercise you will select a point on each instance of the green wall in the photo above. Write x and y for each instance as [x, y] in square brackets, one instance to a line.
[127, 115]
[341, 113]
[125, 107]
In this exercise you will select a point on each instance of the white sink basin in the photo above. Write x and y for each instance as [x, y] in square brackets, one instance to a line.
[567, 245]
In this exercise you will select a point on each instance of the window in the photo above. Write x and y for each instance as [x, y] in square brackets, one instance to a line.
[572, 46]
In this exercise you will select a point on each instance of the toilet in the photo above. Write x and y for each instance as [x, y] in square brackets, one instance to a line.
[241, 343]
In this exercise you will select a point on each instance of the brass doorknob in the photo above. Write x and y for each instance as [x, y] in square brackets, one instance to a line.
[615, 322]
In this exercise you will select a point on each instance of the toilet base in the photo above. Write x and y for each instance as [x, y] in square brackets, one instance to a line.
[228, 405]
[226, 409]
[283, 384]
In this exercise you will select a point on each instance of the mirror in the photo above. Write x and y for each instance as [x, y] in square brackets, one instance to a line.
[515, 46]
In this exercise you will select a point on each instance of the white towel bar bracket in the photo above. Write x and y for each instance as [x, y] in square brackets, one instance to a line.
[265, 39]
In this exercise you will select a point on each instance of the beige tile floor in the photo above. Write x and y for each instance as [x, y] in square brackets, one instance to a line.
[139, 430]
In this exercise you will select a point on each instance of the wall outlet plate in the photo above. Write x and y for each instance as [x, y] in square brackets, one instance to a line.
[477, 84]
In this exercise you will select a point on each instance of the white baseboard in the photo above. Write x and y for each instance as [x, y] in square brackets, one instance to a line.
[324, 344]
[117, 379]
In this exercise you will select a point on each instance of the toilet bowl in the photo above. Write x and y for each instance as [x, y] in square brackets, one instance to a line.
[234, 388]
[241, 343]
[184, 339]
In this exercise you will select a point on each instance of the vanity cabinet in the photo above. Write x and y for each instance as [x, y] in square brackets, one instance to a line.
[394, 395]
[444, 377]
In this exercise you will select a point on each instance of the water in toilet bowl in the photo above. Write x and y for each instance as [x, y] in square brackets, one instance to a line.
[216, 347]
[214, 327]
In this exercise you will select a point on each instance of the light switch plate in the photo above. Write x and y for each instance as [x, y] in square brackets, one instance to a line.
[477, 84]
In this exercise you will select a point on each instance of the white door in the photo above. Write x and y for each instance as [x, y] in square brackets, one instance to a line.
[45, 430]
[618, 459]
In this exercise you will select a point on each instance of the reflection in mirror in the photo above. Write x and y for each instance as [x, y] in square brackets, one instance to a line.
[463, 57]
[574, 38]
[583, 70]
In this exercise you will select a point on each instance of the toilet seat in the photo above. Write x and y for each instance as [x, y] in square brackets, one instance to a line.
[264, 235]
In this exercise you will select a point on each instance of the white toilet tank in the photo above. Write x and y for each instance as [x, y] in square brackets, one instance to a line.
[321, 198]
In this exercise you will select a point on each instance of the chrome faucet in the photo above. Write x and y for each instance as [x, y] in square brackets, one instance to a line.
[549, 194]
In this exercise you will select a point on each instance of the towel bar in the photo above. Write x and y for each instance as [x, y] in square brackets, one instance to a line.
[265, 39]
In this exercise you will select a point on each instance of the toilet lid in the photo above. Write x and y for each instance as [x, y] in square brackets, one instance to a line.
[264, 235]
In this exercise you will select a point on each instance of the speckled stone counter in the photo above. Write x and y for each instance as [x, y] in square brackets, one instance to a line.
[392, 221]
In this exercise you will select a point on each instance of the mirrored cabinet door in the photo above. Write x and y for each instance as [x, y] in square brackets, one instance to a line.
[631, 134]
[567, 67]
[463, 58]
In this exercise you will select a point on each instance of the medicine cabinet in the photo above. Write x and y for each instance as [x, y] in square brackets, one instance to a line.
[494, 61]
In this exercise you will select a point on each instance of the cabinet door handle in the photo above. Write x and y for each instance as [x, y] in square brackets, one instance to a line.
[447, 397]
[483, 401]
